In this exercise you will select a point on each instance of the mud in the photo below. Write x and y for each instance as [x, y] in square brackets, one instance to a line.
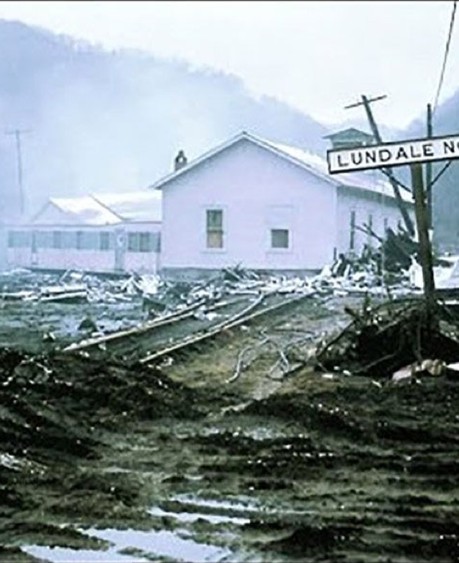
[103, 460]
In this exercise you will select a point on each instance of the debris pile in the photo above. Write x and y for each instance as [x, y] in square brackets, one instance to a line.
[384, 339]
[160, 296]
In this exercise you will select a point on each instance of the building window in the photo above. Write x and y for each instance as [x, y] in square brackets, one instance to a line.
[104, 241]
[79, 240]
[145, 242]
[352, 232]
[44, 239]
[279, 238]
[87, 240]
[57, 239]
[370, 229]
[68, 239]
[140, 242]
[19, 239]
[214, 228]
[133, 242]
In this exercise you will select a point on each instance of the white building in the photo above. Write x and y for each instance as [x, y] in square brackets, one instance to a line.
[269, 207]
[99, 233]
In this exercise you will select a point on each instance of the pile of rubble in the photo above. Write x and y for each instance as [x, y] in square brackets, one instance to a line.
[346, 276]
[402, 339]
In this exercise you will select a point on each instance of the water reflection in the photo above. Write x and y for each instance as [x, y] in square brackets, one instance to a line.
[164, 543]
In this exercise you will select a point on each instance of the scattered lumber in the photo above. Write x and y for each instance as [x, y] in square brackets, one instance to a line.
[384, 339]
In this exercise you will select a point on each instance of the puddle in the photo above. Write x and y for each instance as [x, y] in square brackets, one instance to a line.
[194, 516]
[165, 544]
[67, 555]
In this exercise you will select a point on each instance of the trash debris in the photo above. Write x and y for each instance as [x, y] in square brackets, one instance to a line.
[396, 337]
[88, 325]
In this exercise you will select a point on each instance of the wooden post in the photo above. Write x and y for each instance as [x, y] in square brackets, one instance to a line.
[425, 249]
[428, 186]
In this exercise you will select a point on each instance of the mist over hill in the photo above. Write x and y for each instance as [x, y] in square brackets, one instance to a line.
[446, 190]
[96, 120]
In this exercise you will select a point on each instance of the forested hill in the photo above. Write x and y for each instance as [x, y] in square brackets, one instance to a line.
[112, 121]
[446, 189]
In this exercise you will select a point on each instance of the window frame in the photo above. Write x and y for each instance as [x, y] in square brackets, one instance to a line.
[216, 228]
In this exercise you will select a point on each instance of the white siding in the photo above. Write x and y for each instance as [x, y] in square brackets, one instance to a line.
[383, 210]
[257, 191]
[115, 258]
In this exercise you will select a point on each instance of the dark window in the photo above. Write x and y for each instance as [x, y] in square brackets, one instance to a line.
[79, 240]
[44, 239]
[19, 239]
[57, 239]
[214, 228]
[68, 239]
[352, 232]
[133, 242]
[145, 242]
[87, 240]
[370, 229]
[141, 242]
[104, 241]
[279, 238]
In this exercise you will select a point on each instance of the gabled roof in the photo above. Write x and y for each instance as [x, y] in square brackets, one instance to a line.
[139, 206]
[84, 210]
[102, 209]
[312, 163]
[350, 133]
[220, 148]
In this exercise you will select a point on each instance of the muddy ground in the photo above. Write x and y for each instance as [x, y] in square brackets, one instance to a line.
[194, 460]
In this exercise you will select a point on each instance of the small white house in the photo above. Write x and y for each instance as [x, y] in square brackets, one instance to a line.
[104, 233]
[267, 206]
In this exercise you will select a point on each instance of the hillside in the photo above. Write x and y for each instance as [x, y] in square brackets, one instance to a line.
[446, 190]
[113, 121]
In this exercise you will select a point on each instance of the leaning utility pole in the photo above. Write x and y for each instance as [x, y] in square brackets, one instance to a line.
[414, 153]
[429, 172]
[17, 134]
[374, 129]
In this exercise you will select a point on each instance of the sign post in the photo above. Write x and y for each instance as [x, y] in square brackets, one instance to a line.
[422, 224]
[412, 153]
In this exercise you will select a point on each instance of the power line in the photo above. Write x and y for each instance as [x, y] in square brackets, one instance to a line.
[17, 135]
[445, 58]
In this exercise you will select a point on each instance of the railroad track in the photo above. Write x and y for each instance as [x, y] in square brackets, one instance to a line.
[200, 321]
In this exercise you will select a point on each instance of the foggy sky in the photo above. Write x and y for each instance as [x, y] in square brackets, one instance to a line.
[317, 56]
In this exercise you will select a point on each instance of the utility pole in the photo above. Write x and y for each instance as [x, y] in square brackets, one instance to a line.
[17, 134]
[388, 171]
[425, 248]
[429, 172]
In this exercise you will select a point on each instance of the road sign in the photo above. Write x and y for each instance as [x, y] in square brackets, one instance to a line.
[393, 154]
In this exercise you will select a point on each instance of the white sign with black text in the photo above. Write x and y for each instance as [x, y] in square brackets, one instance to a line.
[393, 154]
